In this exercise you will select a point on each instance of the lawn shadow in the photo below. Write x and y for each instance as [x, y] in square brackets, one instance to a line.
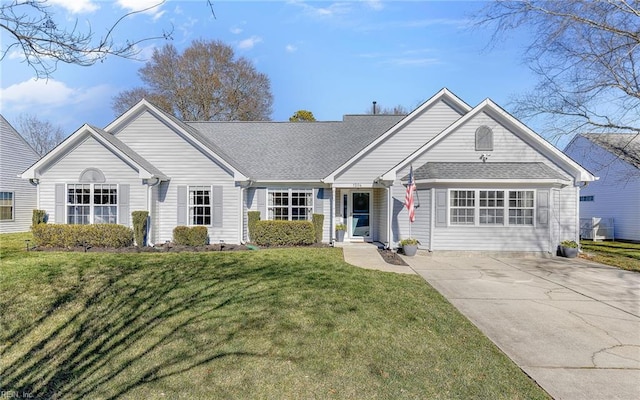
[117, 328]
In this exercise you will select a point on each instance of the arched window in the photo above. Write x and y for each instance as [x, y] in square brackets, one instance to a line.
[484, 138]
[92, 175]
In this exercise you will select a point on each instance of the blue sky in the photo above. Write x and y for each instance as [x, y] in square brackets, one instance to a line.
[329, 57]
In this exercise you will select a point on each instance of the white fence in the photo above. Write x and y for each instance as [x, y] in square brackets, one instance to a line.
[596, 228]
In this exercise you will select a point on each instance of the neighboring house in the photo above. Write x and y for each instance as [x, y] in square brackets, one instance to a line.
[615, 159]
[17, 196]
[523, 197]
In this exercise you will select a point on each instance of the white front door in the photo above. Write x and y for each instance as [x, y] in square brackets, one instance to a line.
[359, 215]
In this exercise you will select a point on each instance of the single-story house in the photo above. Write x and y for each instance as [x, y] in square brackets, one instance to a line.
[17, 196]
[484, 180]
[615, 197]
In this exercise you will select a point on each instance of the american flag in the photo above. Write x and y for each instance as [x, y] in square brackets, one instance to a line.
[408, 198]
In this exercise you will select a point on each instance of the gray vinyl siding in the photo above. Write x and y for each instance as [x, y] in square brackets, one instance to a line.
[401, 144]
[92, 154]
[15, 157]
[185, 165]
[615, 195]
[459, 146]
[380, 215]
[401, 226]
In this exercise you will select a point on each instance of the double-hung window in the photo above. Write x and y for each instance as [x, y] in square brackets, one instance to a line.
[200, 205]
[92, 203]
[521, 207]
[492, 207]
[6, 206]
[463, 207]
[290, 204]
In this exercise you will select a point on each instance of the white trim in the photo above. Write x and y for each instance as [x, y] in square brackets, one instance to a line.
[190, 206]
[503, 117]
[290, 191]
[91, 204]
[443, 94]
[495, 181]
[13, 206]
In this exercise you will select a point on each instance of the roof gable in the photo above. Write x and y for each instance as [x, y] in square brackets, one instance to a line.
[145, 169]
[624, 146]
[183, 128]
[518, 128]
[443, 95]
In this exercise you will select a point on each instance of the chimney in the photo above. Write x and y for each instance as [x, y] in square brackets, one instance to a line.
[374, 108]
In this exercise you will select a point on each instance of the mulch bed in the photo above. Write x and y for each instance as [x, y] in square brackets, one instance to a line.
[391, 257]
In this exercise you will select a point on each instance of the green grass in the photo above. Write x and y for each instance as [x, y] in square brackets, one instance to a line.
[269, 324]
[617, 254]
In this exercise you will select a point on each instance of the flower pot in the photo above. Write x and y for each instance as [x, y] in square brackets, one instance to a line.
[570, 252]
[410, 249]
[340, 236]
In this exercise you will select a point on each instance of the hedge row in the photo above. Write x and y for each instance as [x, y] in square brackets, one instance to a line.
[98, 235]
[283, 233]
[190, 236]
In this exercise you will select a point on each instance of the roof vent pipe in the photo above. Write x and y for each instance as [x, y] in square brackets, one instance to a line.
[374, 108]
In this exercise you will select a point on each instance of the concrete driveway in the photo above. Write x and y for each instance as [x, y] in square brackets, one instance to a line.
[572, 325]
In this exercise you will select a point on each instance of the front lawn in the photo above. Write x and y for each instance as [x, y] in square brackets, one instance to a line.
[269, 324]
[618, 254]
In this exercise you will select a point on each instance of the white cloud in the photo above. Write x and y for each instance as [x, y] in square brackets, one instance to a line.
[235, 30]
[151, 7]
[46, 96]
[333, 9]
[249, 43]
[375, 4]
[291, 48]
[76, 6]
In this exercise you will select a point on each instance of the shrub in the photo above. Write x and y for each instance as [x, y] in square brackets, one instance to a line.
[284, 233]
[98, 235]
[252, 218]
[409, 242]
[38, 217]
[569, 243]
[140, 219]
[190, 235]
[318, 226]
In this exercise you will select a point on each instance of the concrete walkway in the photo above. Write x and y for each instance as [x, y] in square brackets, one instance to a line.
[572, 325]
[365, 255]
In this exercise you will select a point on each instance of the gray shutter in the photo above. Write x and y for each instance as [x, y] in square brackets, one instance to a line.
[123, 205]
[262, 202]
[543, 208]
[216, 199]
[441, 207]
[60, 201]
[182, 206]
[318, 201]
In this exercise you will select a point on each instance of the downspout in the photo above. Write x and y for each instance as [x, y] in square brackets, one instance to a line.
[332, 215]
[432, 223]
[241, 227]
[389, 215]
[149, 206]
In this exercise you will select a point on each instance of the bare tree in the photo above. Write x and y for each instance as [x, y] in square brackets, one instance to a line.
[43, 43]
[41, 135]
[205, 82]
[587, 57]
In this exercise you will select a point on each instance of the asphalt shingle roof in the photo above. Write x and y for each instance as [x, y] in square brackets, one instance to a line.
[303, 151]
[487, 171]
[625, 146]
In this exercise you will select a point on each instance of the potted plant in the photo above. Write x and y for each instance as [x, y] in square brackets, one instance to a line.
[569, 248]
[409, 246]
[340, 229]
